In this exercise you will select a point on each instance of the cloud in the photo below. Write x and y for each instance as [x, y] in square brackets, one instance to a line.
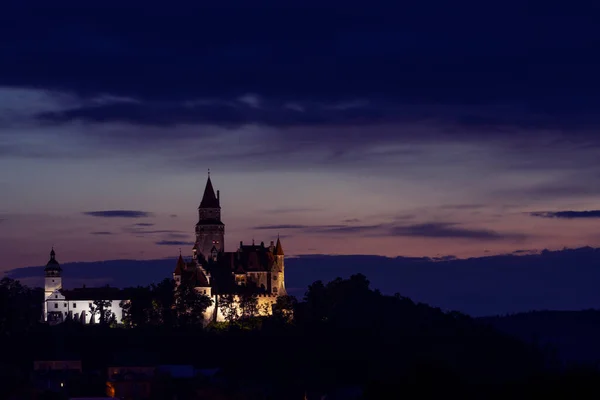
[119, 214]
[144, 224]
[382, 64]
[101, 233]
[567, 214]
[525, 251]
[425, 230]
[451, 230]
[173, 243]
[142, 232]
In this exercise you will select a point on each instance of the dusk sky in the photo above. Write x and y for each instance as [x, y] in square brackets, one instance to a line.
[436, 128]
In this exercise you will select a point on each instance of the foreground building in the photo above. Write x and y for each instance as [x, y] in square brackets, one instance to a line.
[212, 271]
[77, 304]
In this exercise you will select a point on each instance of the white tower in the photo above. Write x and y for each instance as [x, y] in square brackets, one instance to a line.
[53, 278]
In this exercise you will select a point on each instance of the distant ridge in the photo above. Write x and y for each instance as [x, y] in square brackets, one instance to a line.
[493, 285]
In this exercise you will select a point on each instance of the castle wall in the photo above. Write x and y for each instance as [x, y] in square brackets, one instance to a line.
[58, 303]
[261, 279]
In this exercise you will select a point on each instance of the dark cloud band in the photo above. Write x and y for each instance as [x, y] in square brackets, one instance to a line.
[119, 214]
[567, 214]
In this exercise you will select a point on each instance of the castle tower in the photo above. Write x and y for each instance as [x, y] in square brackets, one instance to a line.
[210, 231]
[278, 273]
[179, 268]
[53, 279]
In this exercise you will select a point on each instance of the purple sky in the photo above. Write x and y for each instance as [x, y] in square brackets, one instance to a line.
[426, 130]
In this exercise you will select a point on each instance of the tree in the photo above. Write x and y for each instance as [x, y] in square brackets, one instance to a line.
[229, 308]
[190, 305]
[160, 311]
[102, 308]
[265, 309]
[248, 304]
[20, 307]
[137, 310]
[284, 307]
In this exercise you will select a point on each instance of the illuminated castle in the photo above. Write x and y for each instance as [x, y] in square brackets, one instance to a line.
[215, 272]
[59, 304]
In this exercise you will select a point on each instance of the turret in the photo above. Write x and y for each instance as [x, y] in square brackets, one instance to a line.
[210, 231]
[278, 273]
[52, 272]
[179, 268]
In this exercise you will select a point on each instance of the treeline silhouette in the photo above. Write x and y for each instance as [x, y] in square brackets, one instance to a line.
[342, 333]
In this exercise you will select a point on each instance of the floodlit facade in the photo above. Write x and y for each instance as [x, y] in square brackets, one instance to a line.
[257, 268]
[77, 304]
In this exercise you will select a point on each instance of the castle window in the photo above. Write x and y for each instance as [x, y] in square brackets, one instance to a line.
[90, 304]
[55, 305]
[66, 305]
[52, 280]
[56, 296]
[74, 305]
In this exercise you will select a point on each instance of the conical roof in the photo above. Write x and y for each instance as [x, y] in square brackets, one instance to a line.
[209, 199]
[180, 266]
[278, 248]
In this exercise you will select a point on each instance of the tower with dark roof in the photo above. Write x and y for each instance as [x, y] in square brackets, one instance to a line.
[210, 230]
[52, 272]
[278, 270]
[213, 272]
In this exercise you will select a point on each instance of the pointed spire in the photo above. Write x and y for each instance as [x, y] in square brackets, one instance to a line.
[209, 199]
[278, 248]
[180, 265]
[52, 253]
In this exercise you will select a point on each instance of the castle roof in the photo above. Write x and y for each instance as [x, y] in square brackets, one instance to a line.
[180, 266]
[278, 249]
[52, 263]
[195, 277]
[94, 293]
[209, 199]
[246, 259]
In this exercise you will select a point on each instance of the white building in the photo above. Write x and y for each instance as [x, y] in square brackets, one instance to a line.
[78, 303]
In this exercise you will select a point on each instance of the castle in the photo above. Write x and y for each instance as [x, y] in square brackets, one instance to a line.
[212, 271]
[76, 303]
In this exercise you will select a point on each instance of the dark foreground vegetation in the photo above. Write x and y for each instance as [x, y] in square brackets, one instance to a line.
[342, 335]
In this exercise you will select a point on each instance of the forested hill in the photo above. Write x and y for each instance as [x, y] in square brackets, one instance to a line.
[573, 334]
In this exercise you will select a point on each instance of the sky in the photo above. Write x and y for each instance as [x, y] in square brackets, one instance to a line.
[427, 128]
